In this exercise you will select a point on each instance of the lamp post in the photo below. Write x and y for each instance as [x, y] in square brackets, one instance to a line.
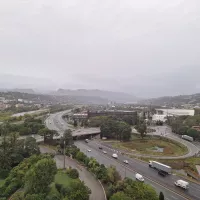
[64, 155]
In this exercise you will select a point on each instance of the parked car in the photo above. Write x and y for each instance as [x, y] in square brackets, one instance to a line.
[105, 152]
[89, 150]
[100, 148]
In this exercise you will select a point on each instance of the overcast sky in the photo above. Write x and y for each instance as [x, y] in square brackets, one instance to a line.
[144, 47]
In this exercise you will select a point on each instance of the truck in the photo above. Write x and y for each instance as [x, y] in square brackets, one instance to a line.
[115, 155]
[182, 184]
[187, 137]
[161, 167]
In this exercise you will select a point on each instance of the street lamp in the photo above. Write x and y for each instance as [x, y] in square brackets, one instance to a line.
[64, 155]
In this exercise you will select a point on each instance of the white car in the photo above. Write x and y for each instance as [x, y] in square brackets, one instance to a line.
[115, 155]
[105, 152]
[126, 161]
[89, 150]
[139, 177]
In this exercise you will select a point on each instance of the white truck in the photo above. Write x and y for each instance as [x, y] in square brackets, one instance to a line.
[115, 155]
[187, 137]
[182, 184]
[161, 167]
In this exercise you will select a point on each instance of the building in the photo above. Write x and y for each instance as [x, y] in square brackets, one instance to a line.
[119, 113]
[161, 114]
[80, 116]
[175, 112]
[20, 100]
[19, 105]
[2, 99]
[156, 118]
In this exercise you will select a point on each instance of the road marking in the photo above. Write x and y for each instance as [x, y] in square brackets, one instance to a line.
[173, 197]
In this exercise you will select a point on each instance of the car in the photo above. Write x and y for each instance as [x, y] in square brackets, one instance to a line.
[89, 150]
[105, 152]
[126, 161]
[162, 173]
[115, 155]
[139, 177]
[100, 148]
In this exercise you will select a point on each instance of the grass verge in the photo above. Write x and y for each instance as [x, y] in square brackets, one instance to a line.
[147, 146]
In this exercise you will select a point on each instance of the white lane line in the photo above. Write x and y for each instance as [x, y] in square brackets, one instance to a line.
[173, 197]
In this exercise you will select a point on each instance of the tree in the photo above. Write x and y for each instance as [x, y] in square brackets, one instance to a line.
[35, 197]
[77, 190]
[113, 175]
[80, 156]
[142, 129]
[31, 147]
[114, 129]
[120, 196]
[193, 133]
[67, 137]
[40, 176]
[136, 190]
[128, 119]
[48, 134]
[75, 123]
[18, 196]
[161, 196]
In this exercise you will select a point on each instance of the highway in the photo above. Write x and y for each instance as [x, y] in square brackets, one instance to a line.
[164, 184]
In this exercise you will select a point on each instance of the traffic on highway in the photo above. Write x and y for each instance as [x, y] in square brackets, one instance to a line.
[166, 184]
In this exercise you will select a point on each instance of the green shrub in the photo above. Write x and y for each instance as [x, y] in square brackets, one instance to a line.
[4, 173]
[73, 173]
[58, 187]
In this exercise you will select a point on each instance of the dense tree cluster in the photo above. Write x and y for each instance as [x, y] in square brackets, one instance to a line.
[113, 129]
[99, 120]
[30, 126]
[13, 151]
[183, 125]
[34, 174]
[129, 189]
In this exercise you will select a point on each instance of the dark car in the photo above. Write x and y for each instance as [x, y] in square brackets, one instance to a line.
[162, 173]
[100, 148]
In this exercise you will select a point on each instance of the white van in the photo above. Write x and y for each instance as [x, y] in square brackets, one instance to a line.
[115, 155]
[139, 177]
[182, 184]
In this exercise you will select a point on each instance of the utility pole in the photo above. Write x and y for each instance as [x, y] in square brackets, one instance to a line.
[64, 154]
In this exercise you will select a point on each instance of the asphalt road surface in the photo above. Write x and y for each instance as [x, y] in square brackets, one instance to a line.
[97, 192]
[164, 184]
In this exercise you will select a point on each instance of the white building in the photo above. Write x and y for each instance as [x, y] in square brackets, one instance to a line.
[175, 112]
[156, 118]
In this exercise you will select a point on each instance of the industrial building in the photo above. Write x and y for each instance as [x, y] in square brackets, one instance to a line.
[161, 114]
[175, 112]
[119, 113]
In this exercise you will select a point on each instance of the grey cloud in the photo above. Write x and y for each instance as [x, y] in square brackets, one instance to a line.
[119, 45]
